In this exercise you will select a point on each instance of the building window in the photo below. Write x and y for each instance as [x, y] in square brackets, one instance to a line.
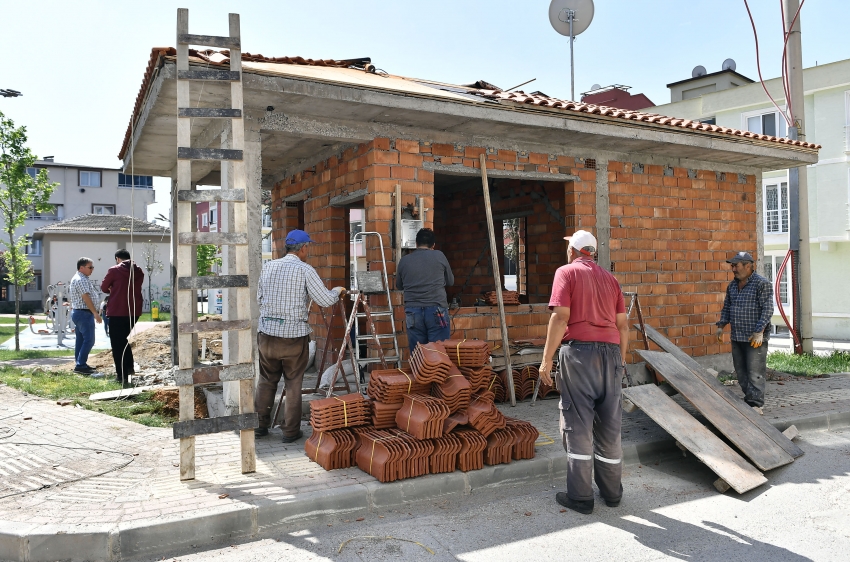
[55, 212]
[515, 262]
[89, 179]
[139, 182]
[33, 247]
[771, 266]
[267, 244]
[213, 217]
[35, 284]
[204, 220]
[768, 123]
[709, 121]
[776, 208]
[267, 218]
[103, 209]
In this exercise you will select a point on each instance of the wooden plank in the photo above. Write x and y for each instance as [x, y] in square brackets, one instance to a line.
[123, 393]
[191, 428]
[246, 436]
[726, 393]
[497, 278]
[209, 112]
[220, 326]
[205, 374]
[186, 394]
[211, 282]
[696, 438]
[208, 41]
[757, 446]
[210, 195]
[214, 238]
[186, 153]
[212, 75]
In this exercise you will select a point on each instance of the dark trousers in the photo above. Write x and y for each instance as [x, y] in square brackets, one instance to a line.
[590, 378]
[122, 355]
[751, 367]
[423, 325]
[287, 358]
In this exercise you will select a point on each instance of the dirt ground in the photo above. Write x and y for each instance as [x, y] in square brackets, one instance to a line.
[171, 402]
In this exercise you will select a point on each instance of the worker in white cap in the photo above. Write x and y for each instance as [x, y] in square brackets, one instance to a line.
[590, 327]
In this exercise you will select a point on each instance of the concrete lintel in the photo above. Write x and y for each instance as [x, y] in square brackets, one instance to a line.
[348, 198]
[460, 170]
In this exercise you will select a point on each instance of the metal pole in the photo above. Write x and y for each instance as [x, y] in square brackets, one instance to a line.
[798, 193]
[570, 17]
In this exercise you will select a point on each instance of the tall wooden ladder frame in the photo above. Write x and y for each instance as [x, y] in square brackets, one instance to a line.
[241, 367]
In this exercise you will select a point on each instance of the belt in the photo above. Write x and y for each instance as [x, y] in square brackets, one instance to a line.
[82, 310]
[593, 343]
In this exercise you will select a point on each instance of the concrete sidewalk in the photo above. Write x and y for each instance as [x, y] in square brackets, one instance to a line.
[143, 509]
[30, 340]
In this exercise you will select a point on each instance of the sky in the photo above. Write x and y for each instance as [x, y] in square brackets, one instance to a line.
[79, 64]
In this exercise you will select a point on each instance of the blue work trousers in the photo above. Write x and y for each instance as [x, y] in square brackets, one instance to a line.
[84, 324]
[423, 324]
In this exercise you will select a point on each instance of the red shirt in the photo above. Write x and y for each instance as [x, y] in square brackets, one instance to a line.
[594, 298]
[123, 301]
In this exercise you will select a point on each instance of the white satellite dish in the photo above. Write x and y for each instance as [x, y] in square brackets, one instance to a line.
[729, 64]
[595, 87]
[698, 71]
[560, 20]
[570, 18]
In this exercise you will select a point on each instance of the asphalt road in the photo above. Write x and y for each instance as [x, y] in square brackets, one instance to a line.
[669, 512]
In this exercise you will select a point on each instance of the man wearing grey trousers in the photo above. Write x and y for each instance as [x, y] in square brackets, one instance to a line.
[589, 323]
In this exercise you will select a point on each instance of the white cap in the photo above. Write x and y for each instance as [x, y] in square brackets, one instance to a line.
[582, 239]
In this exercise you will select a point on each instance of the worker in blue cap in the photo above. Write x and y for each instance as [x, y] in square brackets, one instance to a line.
[286, 287]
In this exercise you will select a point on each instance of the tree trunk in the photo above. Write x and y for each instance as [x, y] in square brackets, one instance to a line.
[150, 295]
[17, 317]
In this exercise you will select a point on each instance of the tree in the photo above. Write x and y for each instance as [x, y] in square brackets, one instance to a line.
[153, 265]
[206, 260]
[20, 194]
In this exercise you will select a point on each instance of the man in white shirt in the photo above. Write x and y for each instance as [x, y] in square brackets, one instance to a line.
[83, 295]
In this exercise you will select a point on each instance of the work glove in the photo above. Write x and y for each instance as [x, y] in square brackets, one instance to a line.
[341, 291]
[719, 334]
[757, 339]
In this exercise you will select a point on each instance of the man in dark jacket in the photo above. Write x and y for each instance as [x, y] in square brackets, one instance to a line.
[123, 283]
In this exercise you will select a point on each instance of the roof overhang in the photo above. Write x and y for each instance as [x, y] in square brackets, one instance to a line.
[318, 110]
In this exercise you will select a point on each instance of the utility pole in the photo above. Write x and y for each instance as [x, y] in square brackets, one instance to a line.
[798, 192]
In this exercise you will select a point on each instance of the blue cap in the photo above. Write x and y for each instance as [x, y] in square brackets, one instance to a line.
[297, 237]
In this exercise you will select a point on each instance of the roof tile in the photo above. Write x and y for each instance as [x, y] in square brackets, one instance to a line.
[105, 223]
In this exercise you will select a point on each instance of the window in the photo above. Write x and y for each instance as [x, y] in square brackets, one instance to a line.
[35, 284]
[213, 213]
[515, 259]
[776, 208]
[204, 219]
[139, 182]
[267, 244]
[33, 172]
[89, 179]
[103, 209]
[770, 123]
[771, 266]
[709, 121]
[267, 218]
[55, 212]
[33, 247]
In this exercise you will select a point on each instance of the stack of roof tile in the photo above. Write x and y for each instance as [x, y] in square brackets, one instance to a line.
[546, 389]
[454, 420]
[383, 414]
[380, 454]
[497, 388]
[455, 391]
[479, 377]
[500, 445]
[336, 412]
[416, 464]
[430, 363]
[331, 449]
[525, 435]
[484, 415]
[444, 456]
[422, 416]
[517, 376]
[390, 385]
[467, 353]
[528, 377]
[471, 454]
[508, 298]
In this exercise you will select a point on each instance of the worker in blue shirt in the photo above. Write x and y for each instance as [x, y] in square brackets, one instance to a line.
[748, 307]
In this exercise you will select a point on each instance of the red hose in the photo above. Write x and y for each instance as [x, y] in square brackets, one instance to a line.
[798, 348]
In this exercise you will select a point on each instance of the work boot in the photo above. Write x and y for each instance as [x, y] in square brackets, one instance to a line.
[585, 507]
[261, 431]
[294, 438]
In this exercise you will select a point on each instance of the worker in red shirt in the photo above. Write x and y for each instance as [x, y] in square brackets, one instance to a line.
[589, 324]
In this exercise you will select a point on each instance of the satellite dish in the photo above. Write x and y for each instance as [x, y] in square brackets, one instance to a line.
[583, 10]
[595, 87]
[729, 64]
[698, 71]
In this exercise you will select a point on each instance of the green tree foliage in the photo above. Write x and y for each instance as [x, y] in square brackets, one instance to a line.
[20, 194]
[207, 259]
[152, 265]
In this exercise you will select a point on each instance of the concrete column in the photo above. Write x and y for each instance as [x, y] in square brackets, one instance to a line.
[759, 224]
[603, 215]
[229, 308]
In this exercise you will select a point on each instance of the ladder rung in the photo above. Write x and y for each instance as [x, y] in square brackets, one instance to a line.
[373, 313]
[212, 282]
[210, 112]
[214, 238]
[379, 336]
[213, 326]
[209, 41]
[205, 374]
[387, 359]
[186, 153]
[189, 428]
[224, 75]
[209, 195]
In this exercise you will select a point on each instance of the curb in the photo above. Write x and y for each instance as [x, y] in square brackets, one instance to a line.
[27, 542]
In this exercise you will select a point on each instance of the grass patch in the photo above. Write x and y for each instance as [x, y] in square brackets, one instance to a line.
[9, 354]
[163, 317]
[56, 386]
[809, 365]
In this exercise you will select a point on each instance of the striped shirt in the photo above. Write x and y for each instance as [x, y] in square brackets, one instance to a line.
[284, 292]
[748, 309]
[80, 285]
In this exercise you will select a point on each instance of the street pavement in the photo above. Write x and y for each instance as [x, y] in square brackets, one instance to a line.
[669, 512]
[31, 340]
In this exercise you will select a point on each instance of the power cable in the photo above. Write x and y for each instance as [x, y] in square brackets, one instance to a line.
[758, 65]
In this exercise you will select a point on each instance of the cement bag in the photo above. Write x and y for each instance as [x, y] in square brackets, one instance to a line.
[311, 357]
[346, 368]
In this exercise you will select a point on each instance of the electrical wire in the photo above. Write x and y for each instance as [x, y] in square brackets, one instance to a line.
[785, 79]
[758, 66]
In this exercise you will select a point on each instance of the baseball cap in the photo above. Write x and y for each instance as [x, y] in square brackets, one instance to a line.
[582, 239]
[297, 237]
[741, 256]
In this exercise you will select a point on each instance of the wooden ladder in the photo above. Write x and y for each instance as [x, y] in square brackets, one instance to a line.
[237, 285]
